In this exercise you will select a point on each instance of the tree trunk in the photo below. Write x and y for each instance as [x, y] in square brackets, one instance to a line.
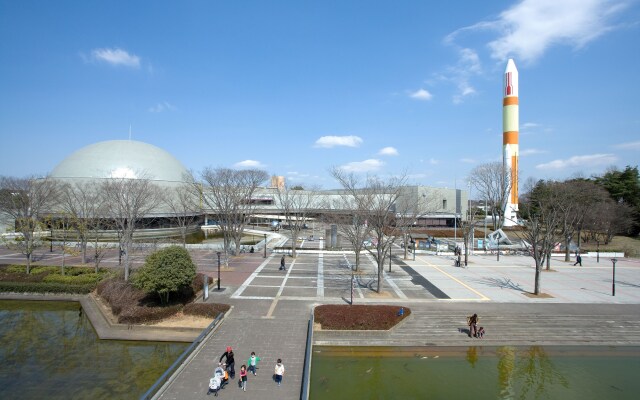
[536, 287]
[96, 256]
[28, 263]
[549, 261]
[567, 251]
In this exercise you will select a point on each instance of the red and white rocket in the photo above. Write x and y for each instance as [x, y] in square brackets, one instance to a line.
[510, 127]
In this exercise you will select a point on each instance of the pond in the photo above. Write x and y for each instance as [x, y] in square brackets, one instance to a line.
[476, 372]
[50, 350]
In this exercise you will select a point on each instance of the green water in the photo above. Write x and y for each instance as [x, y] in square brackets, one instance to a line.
[49, 350]
[475, 373]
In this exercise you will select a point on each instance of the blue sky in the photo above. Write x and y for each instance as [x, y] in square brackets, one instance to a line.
[298, 87]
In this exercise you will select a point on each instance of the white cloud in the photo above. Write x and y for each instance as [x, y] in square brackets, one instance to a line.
[363, 166]
[162, 107]
[421, 94]
[388, 151]
[433, 161]
[529, 125]
[528, 152]
[468, 160]
[627, 146]
[332, 141]
[579, 161]
[249, 164]
[529, 28]
[116, 57]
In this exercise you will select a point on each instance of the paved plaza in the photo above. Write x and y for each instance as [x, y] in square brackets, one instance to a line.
[271, 308]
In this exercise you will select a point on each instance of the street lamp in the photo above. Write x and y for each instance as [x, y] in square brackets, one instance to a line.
[265, 245]
[598, 250]
[498, 252]
[218, 253]
[613, 281]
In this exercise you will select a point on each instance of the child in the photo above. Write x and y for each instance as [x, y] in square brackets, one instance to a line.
[243, 377]
[279, 371]
[480, 334]
[252, 362]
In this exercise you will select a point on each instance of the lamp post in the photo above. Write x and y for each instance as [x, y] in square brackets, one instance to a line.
[613, 281]
[390, 258]
[598, 250]
[218, 253]
[265, 245]
[498, 252]
[51, 238]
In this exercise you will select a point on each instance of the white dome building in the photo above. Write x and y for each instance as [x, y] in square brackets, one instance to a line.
[130, 159]
[121, 159]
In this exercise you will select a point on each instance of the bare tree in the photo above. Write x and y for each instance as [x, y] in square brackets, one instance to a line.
[26, 201]
[229, 193]
[376, 199]
[348, 214]
[296, 205]
[489, 180]
[84, 204]
[411, 206]
[184, 207]
[543, 223]
[127, 202]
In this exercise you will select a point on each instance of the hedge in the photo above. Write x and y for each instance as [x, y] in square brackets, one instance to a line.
[84, 279]
[44, 287]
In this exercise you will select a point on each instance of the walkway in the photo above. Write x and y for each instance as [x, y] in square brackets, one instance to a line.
[271, 309]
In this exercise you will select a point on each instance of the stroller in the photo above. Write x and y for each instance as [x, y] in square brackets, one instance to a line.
[220, 378]
[215, 384]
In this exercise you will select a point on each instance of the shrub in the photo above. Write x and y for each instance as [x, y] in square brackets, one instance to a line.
[358, 317]
[208, 310]
[119, 294]
[140, 315]
[166, 271]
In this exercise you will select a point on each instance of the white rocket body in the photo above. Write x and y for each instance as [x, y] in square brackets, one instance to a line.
[510, 130]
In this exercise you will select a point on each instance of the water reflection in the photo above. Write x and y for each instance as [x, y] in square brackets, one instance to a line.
[486, 372]
[537, 373]
[46, 345]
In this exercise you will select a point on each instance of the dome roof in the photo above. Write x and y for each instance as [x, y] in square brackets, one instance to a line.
[121, 159]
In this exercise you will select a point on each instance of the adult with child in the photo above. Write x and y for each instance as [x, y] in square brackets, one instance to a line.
[472, 321]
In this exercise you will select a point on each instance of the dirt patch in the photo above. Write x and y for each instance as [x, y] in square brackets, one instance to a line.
[184, 321]
[383, 295]
[359, 317]
[539, 296]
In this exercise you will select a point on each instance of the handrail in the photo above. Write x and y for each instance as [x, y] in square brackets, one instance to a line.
[166, 375]
[306, 372]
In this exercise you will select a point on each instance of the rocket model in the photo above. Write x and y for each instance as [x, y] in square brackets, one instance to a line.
[510, 126]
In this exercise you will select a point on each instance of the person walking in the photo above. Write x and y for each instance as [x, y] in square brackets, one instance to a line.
[578, 260]
[279, 371]
[243, 377]
[252, 363]
[282, 264]
[229, 361]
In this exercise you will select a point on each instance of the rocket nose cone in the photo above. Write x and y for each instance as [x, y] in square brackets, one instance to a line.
[511, 66]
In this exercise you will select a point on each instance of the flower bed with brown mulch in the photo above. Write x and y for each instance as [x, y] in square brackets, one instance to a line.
[359, 317]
